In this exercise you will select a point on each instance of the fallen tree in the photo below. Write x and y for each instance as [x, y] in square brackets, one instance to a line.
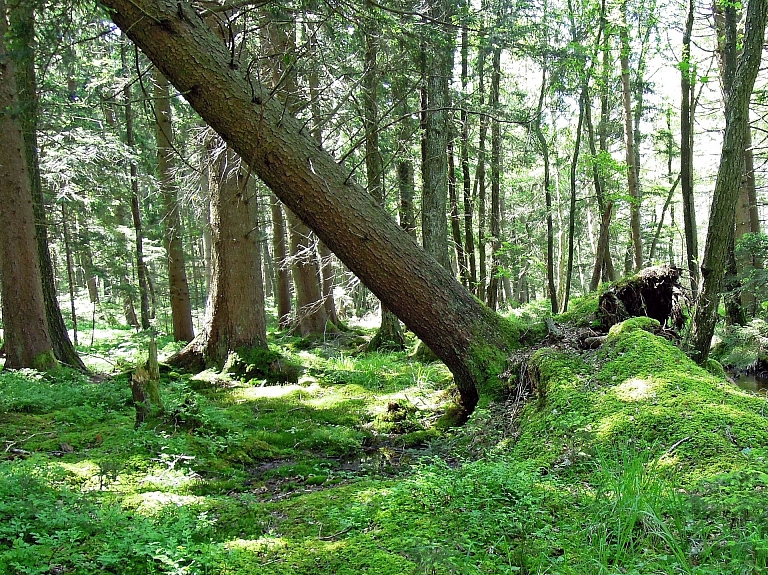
[470, 339]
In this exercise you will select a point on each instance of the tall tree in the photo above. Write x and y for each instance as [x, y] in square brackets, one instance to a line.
[22, 36]
[389, 335]
[130, 139]
[311, 314]
[181, 307]
[469, 234]
[27, 340]
[493, 285]
[469, 338]
[633, 186]
[438, 73]
[722, 212]
[687, 83]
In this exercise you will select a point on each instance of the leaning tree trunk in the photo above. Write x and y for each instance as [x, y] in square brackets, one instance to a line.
[721, 216]
[468, 337]
[27, 342]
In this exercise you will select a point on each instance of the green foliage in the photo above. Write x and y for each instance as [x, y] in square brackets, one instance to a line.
[633, 460]
[742, 347]
[262, 363]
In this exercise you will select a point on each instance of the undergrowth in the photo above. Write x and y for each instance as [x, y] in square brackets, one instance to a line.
[628, 459]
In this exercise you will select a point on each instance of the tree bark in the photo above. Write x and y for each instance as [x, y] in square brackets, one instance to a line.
[687, 81]
[27, 342]
[389, 334]
[130, 140]
[439, 69]
[544, 147]
[632, 175]
[469, 234]
[22, 22]
[493, 284]
[181, 307]
[282, 265]
[729, 176]
[468, 337]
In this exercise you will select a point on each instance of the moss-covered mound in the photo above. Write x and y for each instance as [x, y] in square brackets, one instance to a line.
[640, 391]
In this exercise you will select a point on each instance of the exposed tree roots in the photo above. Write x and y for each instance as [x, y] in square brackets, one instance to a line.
[654, 292]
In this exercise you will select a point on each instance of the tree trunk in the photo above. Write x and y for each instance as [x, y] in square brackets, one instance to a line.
[282, 265]
[544, 147]
[729, 176]
[181, 307]
[469, 338]
[480, 176]
[130, 140]
[389, 335]
[493, 284]
[22, 21]
[469, 234]
[632, 179]
[687, 82]
[70, 268]
[27, 342]
[434, 198]
[234, 315]
[572, 211]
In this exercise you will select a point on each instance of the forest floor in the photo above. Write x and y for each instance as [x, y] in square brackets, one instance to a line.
[624, 459]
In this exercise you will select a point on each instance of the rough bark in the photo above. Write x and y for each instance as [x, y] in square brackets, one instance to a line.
[282, 265]
[22, 21]
[389, 335]
[311, 317]
[181, 307]
[469, 234]
[729, 176]
[234, 315]
[493, 284]
[27, 342]
[438, 72]
[468, 337]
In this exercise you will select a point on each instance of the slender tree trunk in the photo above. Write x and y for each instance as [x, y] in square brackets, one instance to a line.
[687, 82]
[22, 21]
[130, 139]
[404, 164]
[27, 342]
[632, 179]
[544, 147]
[70, 269]
[311, 315]
[282, 265]
[181, 306]
[480, 176]
[469, 234]
[493, 284]
[729, 177]
[572, 216]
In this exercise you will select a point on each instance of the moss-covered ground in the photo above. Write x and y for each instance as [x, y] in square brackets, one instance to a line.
[626, 459]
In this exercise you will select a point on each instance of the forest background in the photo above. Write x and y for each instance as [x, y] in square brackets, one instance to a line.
[454, 159]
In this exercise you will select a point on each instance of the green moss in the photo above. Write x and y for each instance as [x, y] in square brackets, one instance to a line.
[45, 361]
[581, 311]
[634, 323]
[644, 392]
[262, 363]
[715, 368]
